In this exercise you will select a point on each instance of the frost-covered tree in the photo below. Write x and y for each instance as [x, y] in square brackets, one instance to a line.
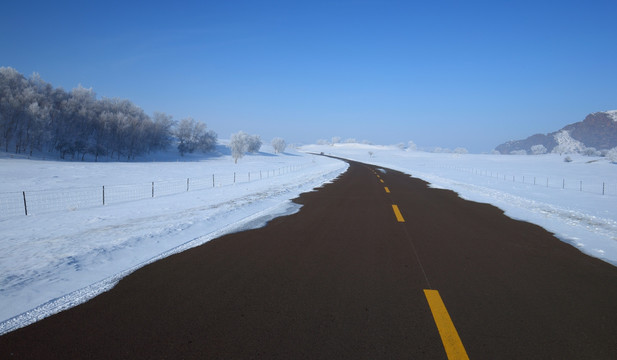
[238, 144]
[411, 146]
[460, 150]
[162, 130]
[279, 145]
[35, 116]
[253, 143]
[193, 135]
[336, 140]
[322, 142]
[590, 151]
[351, 141]
[241, 143]
[12, 106]
[538, 149]
[611, 155]
[566, 144]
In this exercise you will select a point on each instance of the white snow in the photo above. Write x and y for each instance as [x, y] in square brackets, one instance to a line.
[563, 197]
[612, 114]
[55, 258]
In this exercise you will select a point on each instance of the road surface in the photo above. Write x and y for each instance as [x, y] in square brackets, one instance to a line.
[376, 265]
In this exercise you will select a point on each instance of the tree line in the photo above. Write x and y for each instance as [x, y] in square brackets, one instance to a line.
[36, 116]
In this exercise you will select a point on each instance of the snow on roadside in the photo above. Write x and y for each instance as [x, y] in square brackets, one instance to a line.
[517, 184]
[53, 261]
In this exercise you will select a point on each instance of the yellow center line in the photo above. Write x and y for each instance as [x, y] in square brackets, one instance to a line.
[381, 180]
[387, 190]
[449, 336]
[398, 214]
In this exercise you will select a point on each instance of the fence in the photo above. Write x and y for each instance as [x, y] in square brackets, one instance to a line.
[42, 201]
[555, 182]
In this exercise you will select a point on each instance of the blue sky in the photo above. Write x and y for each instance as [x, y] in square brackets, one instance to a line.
[441, 73]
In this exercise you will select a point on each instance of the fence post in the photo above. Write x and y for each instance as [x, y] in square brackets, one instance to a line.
[103, 194]
[212, 180]
[153, 189]
[249, 176]
[260, 175]
[563, 185]
[25, 205]
[187, 184]
[603, 188]
[581, 185]
[234, 177]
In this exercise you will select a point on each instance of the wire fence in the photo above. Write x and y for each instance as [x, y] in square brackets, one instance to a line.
[591, 186]
[43, 201]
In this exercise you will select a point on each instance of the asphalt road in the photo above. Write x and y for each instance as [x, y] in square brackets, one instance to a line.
[351, 276]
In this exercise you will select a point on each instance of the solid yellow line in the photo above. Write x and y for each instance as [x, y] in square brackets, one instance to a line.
[397, 213]
[387, 190]
[449, 337]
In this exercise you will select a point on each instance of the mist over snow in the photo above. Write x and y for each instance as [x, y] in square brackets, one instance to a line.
[563, 197]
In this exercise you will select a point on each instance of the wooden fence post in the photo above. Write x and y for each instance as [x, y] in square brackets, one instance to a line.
[25, 205]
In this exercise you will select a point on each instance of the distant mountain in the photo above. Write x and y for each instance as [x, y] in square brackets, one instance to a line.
[598, 130]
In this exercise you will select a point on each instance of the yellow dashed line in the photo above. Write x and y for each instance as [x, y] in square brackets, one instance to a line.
[387, 190]
[398, 214]
[449, 336]
[381, 180]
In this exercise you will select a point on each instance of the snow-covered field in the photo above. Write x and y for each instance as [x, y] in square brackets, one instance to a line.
[571, 206]
[56, 258]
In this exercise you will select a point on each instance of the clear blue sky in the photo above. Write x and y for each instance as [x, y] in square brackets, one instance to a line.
[441, 73]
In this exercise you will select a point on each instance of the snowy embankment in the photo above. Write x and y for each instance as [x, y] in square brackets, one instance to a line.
[566, 198]
[53, 260]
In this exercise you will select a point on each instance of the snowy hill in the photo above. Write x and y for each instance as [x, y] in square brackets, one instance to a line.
[597, 130]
